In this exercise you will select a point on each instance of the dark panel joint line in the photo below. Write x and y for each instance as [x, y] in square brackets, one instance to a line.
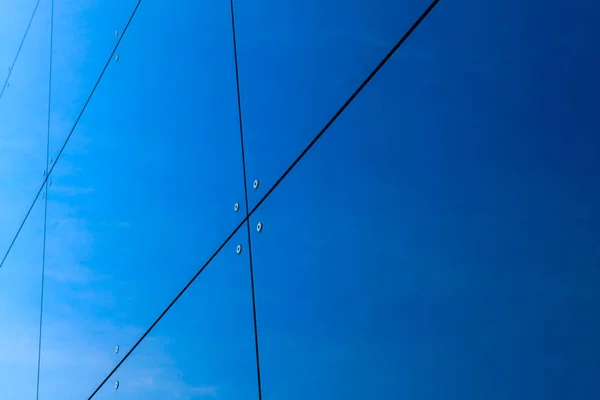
[239, 104]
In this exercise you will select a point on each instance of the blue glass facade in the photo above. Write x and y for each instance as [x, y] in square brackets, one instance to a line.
[439, 240]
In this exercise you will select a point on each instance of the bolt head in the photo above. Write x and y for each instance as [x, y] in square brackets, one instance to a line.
[238, 249]
[117, 57]
[255, 184]
[116, 33]
[236, 207]
[116, 384]
[259, 227]
[117, 349]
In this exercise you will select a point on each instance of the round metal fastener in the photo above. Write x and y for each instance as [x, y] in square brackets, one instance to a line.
[255, 184]
[116, 384]
[117, 349]
[117, 57]
[259, 227]
[236, 207]
[238, 249]
[116, 33]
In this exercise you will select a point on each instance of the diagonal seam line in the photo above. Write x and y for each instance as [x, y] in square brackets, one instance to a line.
[250, 258]
[70, 133]
[19, 49]
[268, 193]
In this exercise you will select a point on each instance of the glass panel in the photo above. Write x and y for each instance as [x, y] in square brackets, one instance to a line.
[84, 37]
[23, 128]
[14, 18]
[299, 61]
[204, 346]
[23, 122]
[440, 241]
[145, 189]
[20, 286]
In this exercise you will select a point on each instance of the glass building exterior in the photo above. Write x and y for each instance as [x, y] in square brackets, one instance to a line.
[437, 239]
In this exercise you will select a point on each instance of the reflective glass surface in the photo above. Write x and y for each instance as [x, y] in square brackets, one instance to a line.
[299, 62]
[23, 116]
[20, 310]
[23, 123]
[204, 346]
[144, 190]
[16, 17]
[85, 34]
[440, 240]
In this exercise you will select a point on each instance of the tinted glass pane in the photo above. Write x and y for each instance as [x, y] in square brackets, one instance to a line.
[146, 188]
[20, 284]
[299, 61]
[204, 346]
[85, 34]
[441, 239]
[23, 124]
[15, 18]
[23, 110]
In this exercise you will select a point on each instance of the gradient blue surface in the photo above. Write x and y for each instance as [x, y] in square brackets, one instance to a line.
[439, 241]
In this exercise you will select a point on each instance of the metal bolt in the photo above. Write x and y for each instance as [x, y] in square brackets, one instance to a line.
[117, 349]
[259, 227]
[238, 249]
[116, 33]
[117, 57]
[236, 207]
[255, 184]
[116, 384]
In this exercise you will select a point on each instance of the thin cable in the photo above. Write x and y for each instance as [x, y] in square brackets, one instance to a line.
[19, 50]
[239, 104]
[37, 392]
[70, 133]
[268, 193]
